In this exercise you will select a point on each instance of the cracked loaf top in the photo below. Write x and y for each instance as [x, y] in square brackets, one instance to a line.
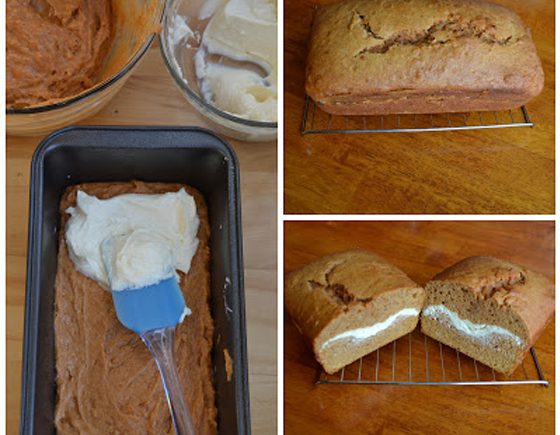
[529, 294]
[361, 48]
[330, 286]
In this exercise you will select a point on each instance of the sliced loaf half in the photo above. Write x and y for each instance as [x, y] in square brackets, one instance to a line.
[351, 303]
[488, 309]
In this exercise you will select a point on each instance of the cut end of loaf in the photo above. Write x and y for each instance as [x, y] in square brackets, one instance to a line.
[475, 323]
[343, 304]
[346, 351]
[365, 329]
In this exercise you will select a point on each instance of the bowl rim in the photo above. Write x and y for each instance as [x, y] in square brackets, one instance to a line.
[93, 90]
[182, 84]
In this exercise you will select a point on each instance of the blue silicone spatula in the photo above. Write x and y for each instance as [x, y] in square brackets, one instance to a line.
[153, 312]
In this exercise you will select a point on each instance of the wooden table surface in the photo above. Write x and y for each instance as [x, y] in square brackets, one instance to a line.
[421, 249]
[485, 171]
[150, 97]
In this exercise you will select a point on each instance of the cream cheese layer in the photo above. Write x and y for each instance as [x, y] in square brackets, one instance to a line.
[132, 240]
[366, 332]
[479, 331]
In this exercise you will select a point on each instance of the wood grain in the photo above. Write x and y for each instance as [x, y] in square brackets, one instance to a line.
[151, 98]
[421, 249]
[485, 171]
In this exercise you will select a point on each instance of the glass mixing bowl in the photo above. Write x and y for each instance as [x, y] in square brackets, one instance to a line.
[179, 59]
[136, 23]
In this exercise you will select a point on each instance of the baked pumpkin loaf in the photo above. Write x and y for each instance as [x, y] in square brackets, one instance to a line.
[369, 57]
[488, 309]
[351, 303]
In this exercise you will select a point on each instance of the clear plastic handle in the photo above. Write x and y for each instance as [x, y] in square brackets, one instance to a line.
[160, 343]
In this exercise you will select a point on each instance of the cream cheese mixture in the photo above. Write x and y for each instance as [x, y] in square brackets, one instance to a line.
[132, 240]
[236, 63]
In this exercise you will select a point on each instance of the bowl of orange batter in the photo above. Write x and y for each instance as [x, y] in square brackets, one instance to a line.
[65, 59]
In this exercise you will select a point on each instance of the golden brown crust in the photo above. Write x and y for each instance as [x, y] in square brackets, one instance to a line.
[420, 56]
[107, 381]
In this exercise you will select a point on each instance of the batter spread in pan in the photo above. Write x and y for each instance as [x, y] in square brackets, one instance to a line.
[107, 382]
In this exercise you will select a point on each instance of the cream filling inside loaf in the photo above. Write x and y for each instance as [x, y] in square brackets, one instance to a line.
[477, 331]
[359, 334]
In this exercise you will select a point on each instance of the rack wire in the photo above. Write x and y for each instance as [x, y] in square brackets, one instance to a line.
[416, 359]
[316, 121]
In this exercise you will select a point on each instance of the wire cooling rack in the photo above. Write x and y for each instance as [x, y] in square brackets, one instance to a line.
[416, 359]
[316, 121]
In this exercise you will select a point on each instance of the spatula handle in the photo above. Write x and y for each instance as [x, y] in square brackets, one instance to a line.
[160, 343]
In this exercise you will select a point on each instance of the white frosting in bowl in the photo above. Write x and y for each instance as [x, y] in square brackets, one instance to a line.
[132, 240]
[236, 61]
[245, 31]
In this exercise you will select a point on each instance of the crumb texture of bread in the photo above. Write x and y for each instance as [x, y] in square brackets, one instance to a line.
[490, 309]
[369, 57]
[107, 381]
[349, 292]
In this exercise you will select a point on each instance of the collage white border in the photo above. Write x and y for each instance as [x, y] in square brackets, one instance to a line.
[280, 222]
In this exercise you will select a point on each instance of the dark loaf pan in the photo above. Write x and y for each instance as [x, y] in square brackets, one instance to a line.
[182, 155]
